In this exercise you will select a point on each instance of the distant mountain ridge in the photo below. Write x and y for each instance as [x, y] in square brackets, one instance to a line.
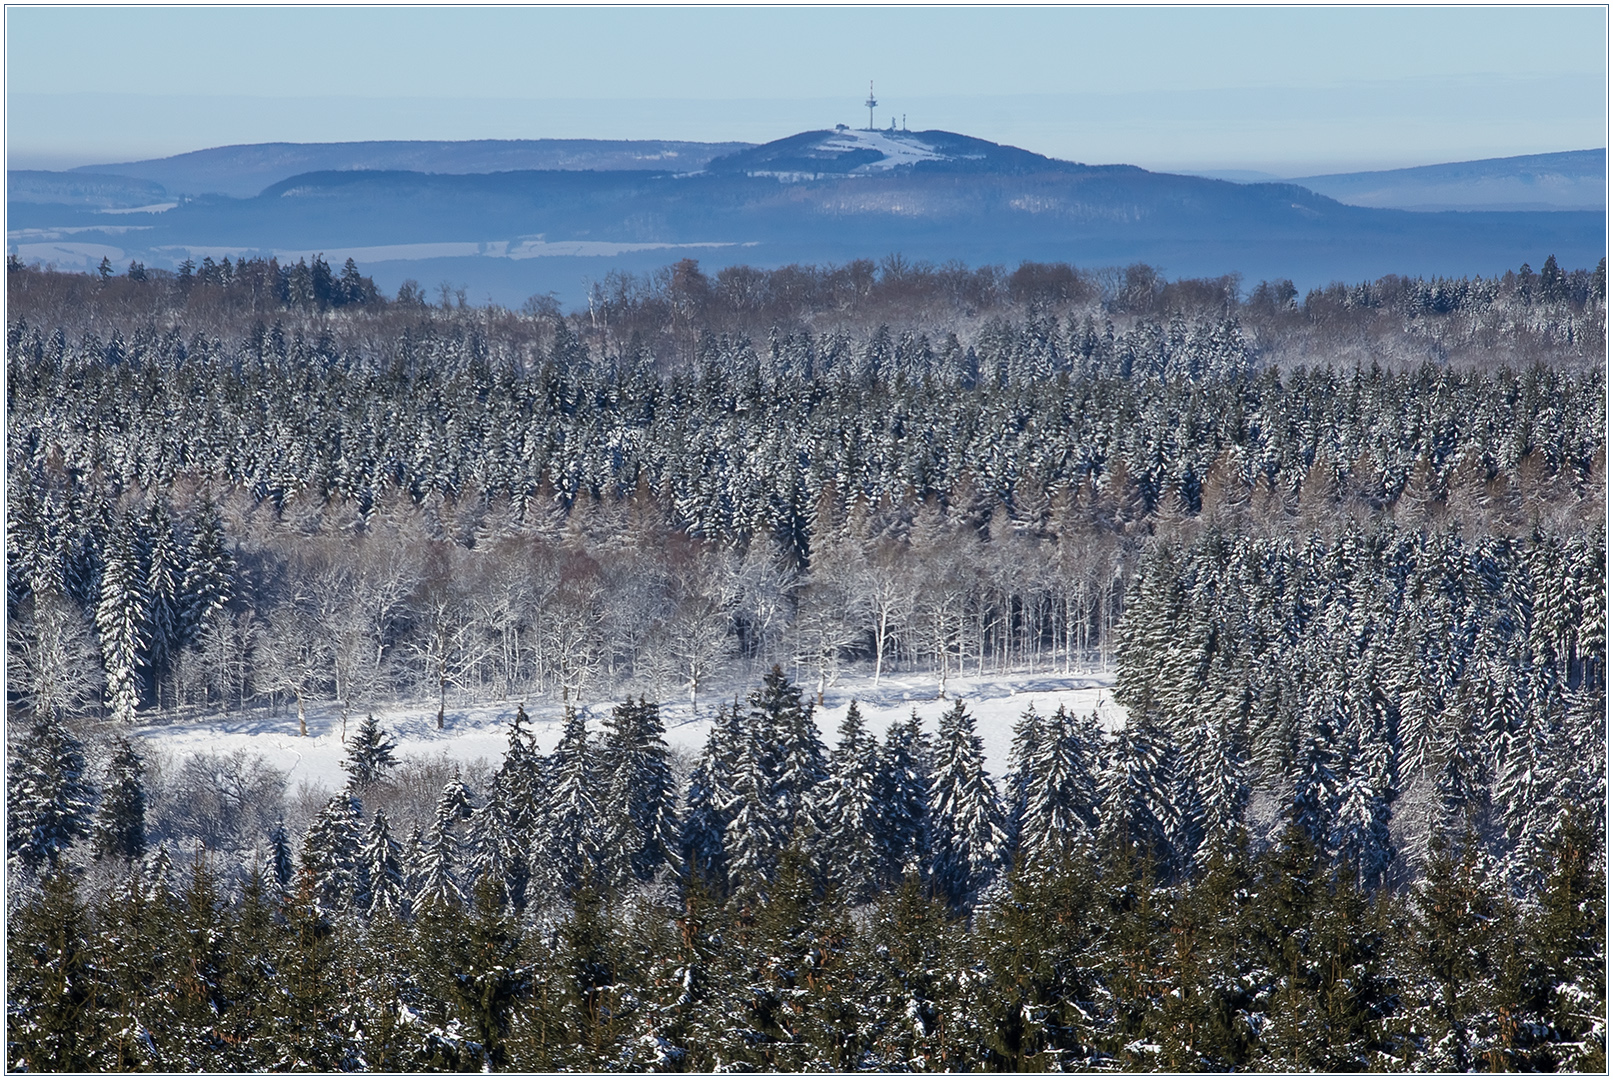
[1570, 180]
[813, 197]
[243, 171]
[99, 190]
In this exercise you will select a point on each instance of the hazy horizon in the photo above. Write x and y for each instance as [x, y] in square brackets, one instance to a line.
[1289, 92]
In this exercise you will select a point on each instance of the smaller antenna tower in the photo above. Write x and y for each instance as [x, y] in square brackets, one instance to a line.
[870, 104]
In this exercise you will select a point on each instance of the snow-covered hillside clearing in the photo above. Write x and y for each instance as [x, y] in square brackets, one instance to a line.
[898, 148]
[480, 732]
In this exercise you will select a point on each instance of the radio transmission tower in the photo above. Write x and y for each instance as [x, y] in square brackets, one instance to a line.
[870, 104]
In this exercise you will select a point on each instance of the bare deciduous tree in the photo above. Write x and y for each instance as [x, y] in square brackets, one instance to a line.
[52, 656]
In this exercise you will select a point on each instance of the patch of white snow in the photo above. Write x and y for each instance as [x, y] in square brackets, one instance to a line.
[480, 731]
[154, 208]
[897, 147]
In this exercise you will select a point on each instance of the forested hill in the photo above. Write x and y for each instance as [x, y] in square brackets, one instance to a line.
[509, 221]
[1344, 552]
[244, 171]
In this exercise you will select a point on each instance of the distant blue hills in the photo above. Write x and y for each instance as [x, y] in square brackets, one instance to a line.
[1571, 180]
[507, 219]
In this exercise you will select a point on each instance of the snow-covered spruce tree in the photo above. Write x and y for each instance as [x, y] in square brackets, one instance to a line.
[1216, 770]
[330, 851]
[158, 871]
[248, 984]
[489, 846]
[120, 618]
[382, 859]
[638, 809]
[520, 781]
[28, 559]
[912, 949]
[1027, 744]
[1360, 835]
[791, 751]
[136, 924]
[120, 820]
[438, 868]
[569, 838]
[1135, 789]
[901, 801]
[848, 849]
[309, 1035]
[208, 582]
[188, 1037]
[488, 977]
[163, 560]
[1568, 943]
[513, 800]
[754, 834]
[1061, 796]
[1148, 633]
[280, 858]
[52, 1021]
[1315, 771]
[48, 798]
[967, 841]
[369, 755]
[1459, 922]
[710, 790]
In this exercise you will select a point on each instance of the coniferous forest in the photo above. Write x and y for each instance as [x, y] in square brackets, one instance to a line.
[1343, 552]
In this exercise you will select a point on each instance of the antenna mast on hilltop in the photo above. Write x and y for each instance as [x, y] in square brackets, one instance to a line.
[870, 104]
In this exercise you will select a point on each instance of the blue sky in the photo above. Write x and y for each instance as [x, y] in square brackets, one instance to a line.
[1284, 90]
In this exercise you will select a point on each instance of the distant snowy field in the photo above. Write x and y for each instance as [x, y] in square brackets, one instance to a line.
[480, 732]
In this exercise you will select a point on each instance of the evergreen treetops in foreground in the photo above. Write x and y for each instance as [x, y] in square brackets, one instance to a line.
[879, 905]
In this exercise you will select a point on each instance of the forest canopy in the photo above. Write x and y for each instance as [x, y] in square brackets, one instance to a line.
[1343, 554]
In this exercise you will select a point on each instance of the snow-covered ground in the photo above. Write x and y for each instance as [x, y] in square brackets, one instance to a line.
[154, 208]
[898, 147]
[479, 731]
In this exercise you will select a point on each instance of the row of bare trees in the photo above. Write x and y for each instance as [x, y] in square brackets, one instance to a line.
[355, 616]
[352, 619]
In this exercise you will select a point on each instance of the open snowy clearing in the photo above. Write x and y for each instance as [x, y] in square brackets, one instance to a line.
[898, 148]
[480, 731]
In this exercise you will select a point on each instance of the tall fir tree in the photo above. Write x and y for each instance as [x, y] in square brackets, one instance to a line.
[639, 805]
[968, 842]
[120, 820]
[382, 859]
[440, 855]
[163, 560]
[49, 800]
[1060, 793]
[330, 852]
[848, 811]
[569, 844]
[120, 618]
[369, 755]
[792, 751]
[52, 1018]
[207, 585]
[902, 809]
[707, 798]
